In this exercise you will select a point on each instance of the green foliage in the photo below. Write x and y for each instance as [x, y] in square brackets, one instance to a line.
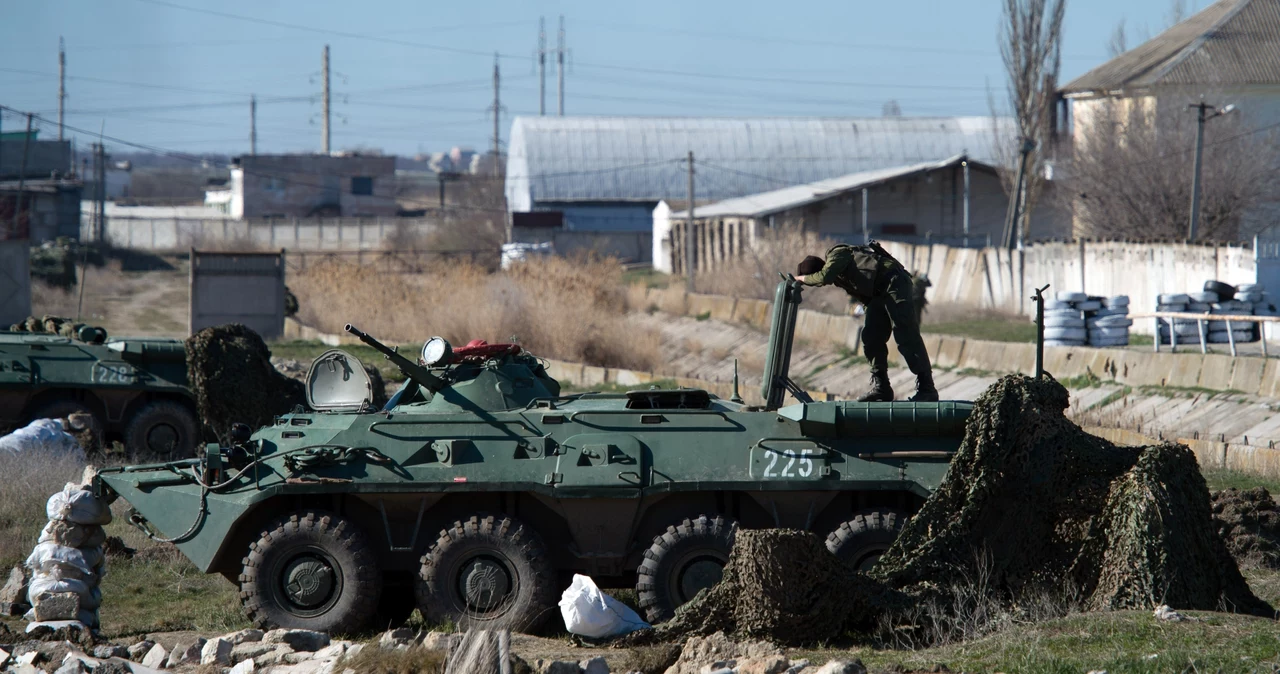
[703, 316]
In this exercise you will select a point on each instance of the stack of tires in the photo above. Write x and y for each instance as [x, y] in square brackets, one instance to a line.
[67, 564]
[1077, 319]
[1186, 329]
[1225, 303]
[1064, 319]
[1109, 325]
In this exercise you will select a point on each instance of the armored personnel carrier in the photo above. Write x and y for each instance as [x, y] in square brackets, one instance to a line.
[479, 488]
[134, 389]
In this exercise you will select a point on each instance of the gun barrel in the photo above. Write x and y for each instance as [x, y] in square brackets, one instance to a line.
[408, 367]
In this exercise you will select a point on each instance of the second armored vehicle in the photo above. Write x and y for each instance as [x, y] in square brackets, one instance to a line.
[134, 389]
[479, 488]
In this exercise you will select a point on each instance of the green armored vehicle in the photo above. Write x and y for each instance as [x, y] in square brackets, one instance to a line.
[479, 489]
[134, 389]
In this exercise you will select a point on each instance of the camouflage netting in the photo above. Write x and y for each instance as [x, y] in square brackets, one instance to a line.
[378, 384]
[229, 369]
[1031, 504]
[1042, 506]
[780, 586]
[1249, 522]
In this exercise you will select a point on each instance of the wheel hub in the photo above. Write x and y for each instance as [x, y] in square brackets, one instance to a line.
[700, 575]
[162, 439]
[485, 584]
[308, 581]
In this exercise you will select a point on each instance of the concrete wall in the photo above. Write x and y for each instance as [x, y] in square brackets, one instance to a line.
[626, 246]
[15, 281]
[243, 288]
[51, 209]
[300, 233]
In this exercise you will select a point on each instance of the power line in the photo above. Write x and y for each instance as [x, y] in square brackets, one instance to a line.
[141, 85]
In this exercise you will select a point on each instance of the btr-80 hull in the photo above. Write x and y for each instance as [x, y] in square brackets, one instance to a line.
[476, 502]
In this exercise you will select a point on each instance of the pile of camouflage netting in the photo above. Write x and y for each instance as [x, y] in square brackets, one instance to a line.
[1249, 521]
[229, 370]
[1032, 505]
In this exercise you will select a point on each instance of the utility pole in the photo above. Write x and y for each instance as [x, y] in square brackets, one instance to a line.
[689, 267]
[253, 125]
[542, 66]
[1202, 115]
[62, 83]
[22, 179]
[560, 69]
[1012, 233]
[99, 192]
[497, 117]
[324, 129]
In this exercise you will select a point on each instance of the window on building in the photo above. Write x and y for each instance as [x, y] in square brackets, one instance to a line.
[274, 184]
[362, 185]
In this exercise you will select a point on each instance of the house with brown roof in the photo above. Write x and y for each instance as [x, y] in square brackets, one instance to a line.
[1228, 53]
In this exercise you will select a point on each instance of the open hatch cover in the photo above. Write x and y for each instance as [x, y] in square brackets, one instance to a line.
[337, 382]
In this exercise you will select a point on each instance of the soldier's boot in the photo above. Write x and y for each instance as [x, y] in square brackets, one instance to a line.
[881, 391]
[926, 392]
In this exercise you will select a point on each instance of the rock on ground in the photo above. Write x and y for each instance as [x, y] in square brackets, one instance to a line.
[298, 640]
[700, 652]
[186, 652]
[842, 667]
[156, 657]
[244, 636]
[139, 650]
[13, 596]
[254, 650]
[216, 652]
[243, 667]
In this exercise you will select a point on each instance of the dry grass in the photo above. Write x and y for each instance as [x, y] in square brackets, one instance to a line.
[755, 274]
[556, 307]
[29, 479]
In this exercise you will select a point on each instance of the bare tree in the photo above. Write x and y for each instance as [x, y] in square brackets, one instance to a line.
[1031, 48]
[1119, 41]
[1130, 176]
[891, 108]
[1177, 12]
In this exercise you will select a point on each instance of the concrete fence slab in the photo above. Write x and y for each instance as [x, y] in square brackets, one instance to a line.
[1216, 372]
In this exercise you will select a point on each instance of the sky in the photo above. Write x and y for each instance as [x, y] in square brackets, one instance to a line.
[411, 76]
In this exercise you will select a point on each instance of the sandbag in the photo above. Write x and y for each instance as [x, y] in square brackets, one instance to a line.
[1066, 296]
[1063, 342]
[1251, 288]
[1248, 297]
[84, 559]
[1173, 298]
[45, 437]
[90, 596]
[1117, 301]
[1055, 305]
[77, 505]
[1204, 297]
[1225, 337]
[73, 535]
[1091, 305]
[1115, 341]
[1096, 334]
[1171, 307]
[1199, 307]
[591, 613]
[1110, 322]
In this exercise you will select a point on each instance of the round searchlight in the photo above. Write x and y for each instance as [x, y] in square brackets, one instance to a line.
[436, 352]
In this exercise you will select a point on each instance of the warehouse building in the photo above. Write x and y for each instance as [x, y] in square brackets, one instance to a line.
[607, 174]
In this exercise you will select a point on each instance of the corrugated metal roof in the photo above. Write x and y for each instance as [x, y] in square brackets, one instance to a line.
[643, 158]
[775, 201]
[1231, 42]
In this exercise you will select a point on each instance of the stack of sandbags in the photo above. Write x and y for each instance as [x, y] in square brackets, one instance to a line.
[1064, 318]
[1109, 325]
[67, 564]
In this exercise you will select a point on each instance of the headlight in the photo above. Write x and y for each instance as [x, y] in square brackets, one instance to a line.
[436, 352]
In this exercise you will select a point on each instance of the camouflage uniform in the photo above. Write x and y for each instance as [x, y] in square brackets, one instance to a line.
[881, 284]
[920, 284]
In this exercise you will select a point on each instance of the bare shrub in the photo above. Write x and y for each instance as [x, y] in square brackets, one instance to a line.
[30, 478]
[1130, 174]
[754, 275]
[571, 309]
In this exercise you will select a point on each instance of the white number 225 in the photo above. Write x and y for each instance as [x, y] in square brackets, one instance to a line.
[805, 469]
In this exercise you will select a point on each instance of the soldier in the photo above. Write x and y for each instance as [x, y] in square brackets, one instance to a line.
[873, 277]
[920, 284]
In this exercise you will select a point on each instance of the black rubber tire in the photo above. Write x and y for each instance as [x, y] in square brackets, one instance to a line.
[514, 556]
[664, 582]
[63, 408]
[337, 543]
[1224, 291]
[158, 425]
[862, 540]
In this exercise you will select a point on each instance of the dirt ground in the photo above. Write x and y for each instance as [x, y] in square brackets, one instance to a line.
[125, 300]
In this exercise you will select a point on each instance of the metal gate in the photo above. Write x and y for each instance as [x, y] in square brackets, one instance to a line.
[15, 281]
[243, 288]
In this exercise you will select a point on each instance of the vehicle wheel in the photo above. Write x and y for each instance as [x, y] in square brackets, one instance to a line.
[488, 573]
[862, 540]
[686, 559]
[161, 430]
[312, 571]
